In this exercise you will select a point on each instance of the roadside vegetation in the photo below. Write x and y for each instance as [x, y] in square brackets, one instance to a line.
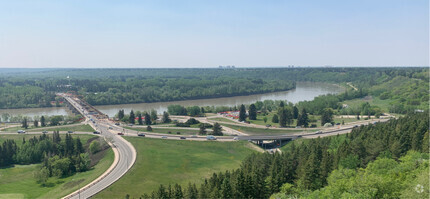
[25, 180]
[382, 160]
[173, 161]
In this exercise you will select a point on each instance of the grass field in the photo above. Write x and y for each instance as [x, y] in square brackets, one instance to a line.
[172, 161]
[18, 181]
[80, 128]
[374, 101]
[166, 130]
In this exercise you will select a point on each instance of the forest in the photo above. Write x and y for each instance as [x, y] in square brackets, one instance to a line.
[37, 87]
[392, 156]
[59, 157]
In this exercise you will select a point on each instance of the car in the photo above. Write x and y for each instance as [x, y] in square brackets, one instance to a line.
[130, 124]
[120, 133]
[96, 132]
[318, 132]
[69, 131]
[164, 137]
[141, 134]
[355, 126]
[110, 127]
[117, 124]
[299, 136]
[210, 137]
[44, 131]
[268, 125]
[337, 123]
[194, 136]
[183, 138]
[236, 138]
[21, 131]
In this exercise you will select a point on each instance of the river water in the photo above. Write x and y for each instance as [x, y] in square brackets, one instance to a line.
[303, 91]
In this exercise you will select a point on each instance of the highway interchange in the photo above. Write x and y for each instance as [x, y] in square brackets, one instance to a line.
[125, 154]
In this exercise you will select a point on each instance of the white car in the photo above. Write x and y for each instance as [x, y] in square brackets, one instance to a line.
[21, 131]
[236, 138]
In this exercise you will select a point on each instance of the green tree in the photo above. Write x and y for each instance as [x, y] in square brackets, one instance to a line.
[202, 130]
[165, 118]
[35, 123]
[295, 112]
[42, 175]
[42, 121]
[139, 119]
[264, 119]
[252, 112]
[121, 114]
[326, 116]
[217, 129]
[303, 119]
[24, 123]
[95, 147]
[275, 118]
[147, 119]
[154, 116]
[242, 113]
[149, 128]
[132, 117]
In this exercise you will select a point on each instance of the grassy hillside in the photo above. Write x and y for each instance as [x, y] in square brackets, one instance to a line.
[171, 161]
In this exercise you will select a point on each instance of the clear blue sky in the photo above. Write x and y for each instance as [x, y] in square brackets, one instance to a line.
[112, 33]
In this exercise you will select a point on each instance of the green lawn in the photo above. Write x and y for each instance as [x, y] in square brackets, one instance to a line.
[260, 131]
[172, 161]
[374, 101]
[166, 130]
[18, 181]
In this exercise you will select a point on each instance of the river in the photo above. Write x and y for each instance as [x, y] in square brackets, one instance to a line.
[303, 91]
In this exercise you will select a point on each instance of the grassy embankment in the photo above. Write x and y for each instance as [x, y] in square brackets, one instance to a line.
[18, 181]
[172, 161]
[77, 128]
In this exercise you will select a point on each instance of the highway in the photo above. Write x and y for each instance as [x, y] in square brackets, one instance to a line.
[125, 154]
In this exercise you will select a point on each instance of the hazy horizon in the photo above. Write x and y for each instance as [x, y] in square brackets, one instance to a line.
[201, 34]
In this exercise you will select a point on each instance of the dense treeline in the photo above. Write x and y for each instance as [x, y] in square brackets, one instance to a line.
[306, 166]
[59, 157]
[37, 87]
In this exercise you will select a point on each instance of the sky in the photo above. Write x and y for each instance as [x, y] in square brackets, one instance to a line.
[199, 33]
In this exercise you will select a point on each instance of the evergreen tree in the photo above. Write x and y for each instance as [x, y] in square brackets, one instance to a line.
[147, 119]
[358, 116]
[139, 119]
[121, 114]
[165, 118]
[42, 121]
[177, 192]
[281, 104]
[252, 112]
[242, 113]
[149, 128]
[35, 123]
[132, 117]
[217, 129]
[202, 130]
[226, 188]
[295, 112]
[302, 119]
[275, 118]
[24, 123]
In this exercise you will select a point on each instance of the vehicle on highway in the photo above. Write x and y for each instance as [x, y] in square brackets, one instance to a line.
[164, 137]
[110, 127]
[117, 124]
[120, 133]
[355, 126]
[268, 125]
[210, 137]
[318, 132]
[96, 132]
[236, 138]
[337, 123]
[183, 138]
[21, 131]
[130, 124]
[194, 136]
[141, 134]
[69, 131]
[44, 131]
[299, 136]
